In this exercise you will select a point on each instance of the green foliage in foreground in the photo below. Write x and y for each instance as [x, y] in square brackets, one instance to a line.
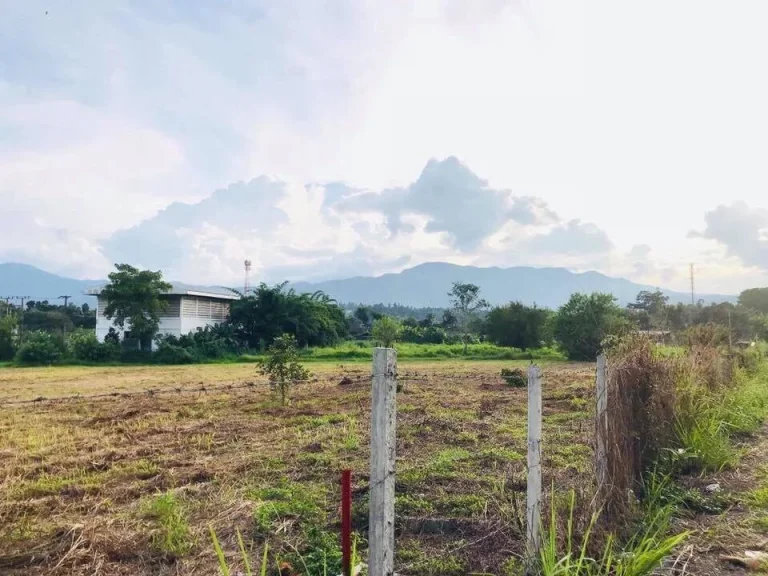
[641, 555]
[708, 421]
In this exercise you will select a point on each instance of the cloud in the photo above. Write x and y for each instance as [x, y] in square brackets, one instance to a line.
[742, 230]
[455, 201]
[572, 238]
[27, 238]
[323, 231]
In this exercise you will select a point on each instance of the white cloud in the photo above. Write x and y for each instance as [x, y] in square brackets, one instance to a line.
[110, 113]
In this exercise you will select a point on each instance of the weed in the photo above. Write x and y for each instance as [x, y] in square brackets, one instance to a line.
[172, 537]
[642, 554]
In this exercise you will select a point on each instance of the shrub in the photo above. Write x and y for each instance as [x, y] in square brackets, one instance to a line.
[40, 349]
[514, 377]
[85, 346]
[168, 353]
[386, 331]
[7, 336]
[281, 365]
[585, 321]
[706, 335]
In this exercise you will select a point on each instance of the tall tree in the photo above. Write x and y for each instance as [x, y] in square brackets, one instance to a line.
[755, 299]
[466, 303]
[517, 325]
[585, 321]
[133, 301]
[650, 309]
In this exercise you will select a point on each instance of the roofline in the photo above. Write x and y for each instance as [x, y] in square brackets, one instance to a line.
[215, 295]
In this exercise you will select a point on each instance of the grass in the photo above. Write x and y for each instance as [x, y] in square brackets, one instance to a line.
[640, 555]
[710, 422]
[172, 537]
[142, 478]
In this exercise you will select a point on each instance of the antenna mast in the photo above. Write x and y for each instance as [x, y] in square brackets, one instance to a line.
[247, 287]
[693, 297]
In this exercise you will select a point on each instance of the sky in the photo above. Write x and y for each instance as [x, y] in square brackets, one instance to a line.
[352, 137]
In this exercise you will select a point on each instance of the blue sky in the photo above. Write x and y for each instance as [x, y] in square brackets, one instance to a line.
[627, 138]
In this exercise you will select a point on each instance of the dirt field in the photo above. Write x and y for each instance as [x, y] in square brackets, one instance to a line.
[131, 484]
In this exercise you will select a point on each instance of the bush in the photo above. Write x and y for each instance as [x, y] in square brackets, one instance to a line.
[168, 353]
[7, 336]
[386, 331]
[514, 377]
[40, 349]
[85, 346]
[585, 321]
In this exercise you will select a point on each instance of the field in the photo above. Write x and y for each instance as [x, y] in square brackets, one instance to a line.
[131, 484]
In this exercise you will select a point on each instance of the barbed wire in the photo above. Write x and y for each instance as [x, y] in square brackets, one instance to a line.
[178, 390]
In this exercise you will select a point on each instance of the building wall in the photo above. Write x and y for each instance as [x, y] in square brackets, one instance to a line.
[184, 314]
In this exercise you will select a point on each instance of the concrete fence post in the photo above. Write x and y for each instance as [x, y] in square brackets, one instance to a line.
[533, 508]
[381, 528]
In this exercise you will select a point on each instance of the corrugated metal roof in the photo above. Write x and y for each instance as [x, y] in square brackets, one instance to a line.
[181, 289]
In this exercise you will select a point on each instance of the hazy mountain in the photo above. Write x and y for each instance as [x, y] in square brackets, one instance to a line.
[424, 285]
[23, 280]
[428, 285]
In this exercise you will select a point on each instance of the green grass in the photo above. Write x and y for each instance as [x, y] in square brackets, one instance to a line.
[708, 423]
[172, 537]
[364, 351]
[641, 555]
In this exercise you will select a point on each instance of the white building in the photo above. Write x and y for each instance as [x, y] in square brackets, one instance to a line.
[188, 308]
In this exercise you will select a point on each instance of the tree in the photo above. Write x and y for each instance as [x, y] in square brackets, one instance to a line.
[466, 303]
[517, 325]
[585, 321]
[386, 331]
[428, 321]
[363, 313]
[8, 327]
[650, 309]
[281, 365]
[269, 312]
[755, 299]
[133, 300]
[449, 320]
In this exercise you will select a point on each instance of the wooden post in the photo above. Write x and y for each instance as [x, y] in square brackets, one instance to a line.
[533, 509]
[381, 528]
[601, 422]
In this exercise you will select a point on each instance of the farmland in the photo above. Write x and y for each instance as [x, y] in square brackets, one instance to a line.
[130, 477]
[130, 484]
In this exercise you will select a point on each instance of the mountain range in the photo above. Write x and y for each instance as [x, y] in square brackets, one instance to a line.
[424, 285]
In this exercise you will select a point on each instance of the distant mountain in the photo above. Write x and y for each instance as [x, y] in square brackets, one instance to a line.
[423, 285]
[28, 281]
[428, 285]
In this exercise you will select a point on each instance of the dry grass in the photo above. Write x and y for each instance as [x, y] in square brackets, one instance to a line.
[130, 485]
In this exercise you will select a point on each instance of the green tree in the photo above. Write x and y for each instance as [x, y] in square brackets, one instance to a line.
[269, 312]
[386, 331]
[281, 365]
[133, 301]
[466, 304]
[650, 309]
[585, 321]
[755, 299]
[363, 313]
[517, 325]
[8, 326]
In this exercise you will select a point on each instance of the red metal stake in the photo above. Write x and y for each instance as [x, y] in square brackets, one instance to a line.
[346, 522]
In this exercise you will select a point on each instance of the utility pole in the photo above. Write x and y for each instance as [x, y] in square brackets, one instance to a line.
[66, 299]
[21, 317]
[693, 297]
